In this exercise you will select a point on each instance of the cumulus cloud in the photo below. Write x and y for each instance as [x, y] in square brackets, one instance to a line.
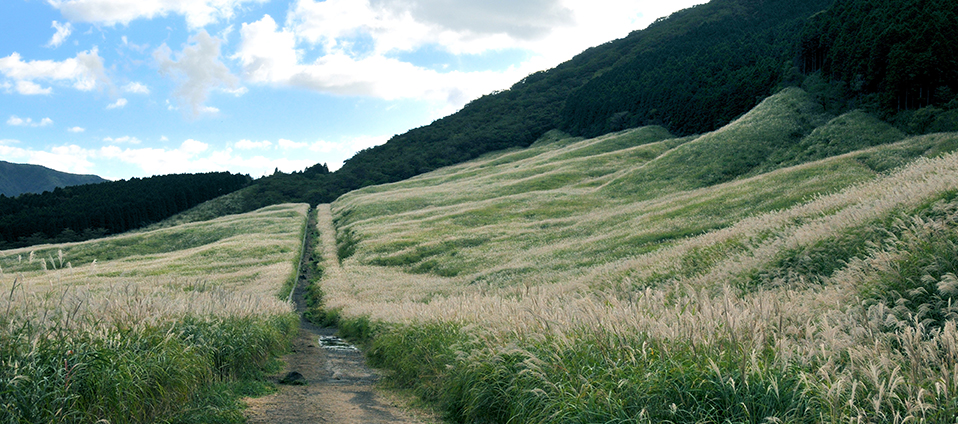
[289, 144]
[28, 122]
[198, 13]
[249, 145]
[30, 88]
[360, 42]
[67, 158]
[198, 70]
[76, 129]
[63, 32]
[526, 19]
[85, 71]
[196, 156]
[136, 88]
[119, 103]
[269, 55]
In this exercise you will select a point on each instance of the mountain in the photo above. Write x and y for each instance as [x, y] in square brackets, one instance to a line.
[692, 72]
[16, 179]
[699, 69]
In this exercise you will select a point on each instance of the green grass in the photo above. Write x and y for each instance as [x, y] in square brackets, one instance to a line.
[790, 267]
[170, 325]
[147, 374]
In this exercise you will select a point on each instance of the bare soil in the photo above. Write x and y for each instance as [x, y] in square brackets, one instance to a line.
[339, 387]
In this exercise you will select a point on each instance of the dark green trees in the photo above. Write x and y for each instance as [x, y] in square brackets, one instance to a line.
[87, 211]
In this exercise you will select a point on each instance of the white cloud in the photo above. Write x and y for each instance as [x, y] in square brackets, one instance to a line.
[194, 147]
[16, 121]
[268, 55]
[85, 72]
[63, 31]
[30, 88]
[136, 88]
[119, 103]
[335, 153]
[121, 140]
[198, 13]
[198, 70]
[155, 161]
[359, 41]
[249, 145]
[67, 158]
[137, 47]
[76, 129]
[289, 144]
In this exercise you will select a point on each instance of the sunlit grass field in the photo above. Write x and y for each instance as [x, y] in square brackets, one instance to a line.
[790, 267]
[167, 325]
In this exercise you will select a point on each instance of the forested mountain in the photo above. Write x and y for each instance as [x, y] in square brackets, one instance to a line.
[16, 179]
[897, 58]
[723, 41]
[692, 72]
[94, 210]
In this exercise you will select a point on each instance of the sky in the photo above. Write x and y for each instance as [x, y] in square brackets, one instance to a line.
[136, 88]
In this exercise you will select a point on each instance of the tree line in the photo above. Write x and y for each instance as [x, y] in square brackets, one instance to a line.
[88, 211]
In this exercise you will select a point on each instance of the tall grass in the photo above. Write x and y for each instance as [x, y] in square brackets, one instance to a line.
[817, 292]
[154, 335]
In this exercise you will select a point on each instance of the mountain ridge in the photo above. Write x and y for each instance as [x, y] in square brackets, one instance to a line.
[17, 179]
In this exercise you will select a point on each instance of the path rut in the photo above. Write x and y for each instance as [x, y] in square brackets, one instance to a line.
[340, 387]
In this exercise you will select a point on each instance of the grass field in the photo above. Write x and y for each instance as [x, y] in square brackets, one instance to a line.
[167, 325]
[790, 267]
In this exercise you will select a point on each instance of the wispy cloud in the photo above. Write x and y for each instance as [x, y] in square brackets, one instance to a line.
[136, 88]
[198, 70]
[119, 103]
[63, 32]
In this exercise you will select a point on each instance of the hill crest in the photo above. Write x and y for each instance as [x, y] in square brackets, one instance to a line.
[17, 179]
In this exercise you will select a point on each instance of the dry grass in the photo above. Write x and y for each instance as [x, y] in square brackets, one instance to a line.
[770, 278]
[239, 272]
[154, 326]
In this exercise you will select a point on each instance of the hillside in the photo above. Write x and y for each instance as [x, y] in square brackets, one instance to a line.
[692, 72]
[170, 325]
[791, 266]
[16, 179]
[714, 62]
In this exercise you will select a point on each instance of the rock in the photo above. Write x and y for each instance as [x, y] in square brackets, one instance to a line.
[293, 378]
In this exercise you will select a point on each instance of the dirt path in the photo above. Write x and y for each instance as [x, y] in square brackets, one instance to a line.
[340, 387]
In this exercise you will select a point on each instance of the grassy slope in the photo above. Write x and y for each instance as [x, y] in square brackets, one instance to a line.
[168, 325]
[713, 263]
[570, 203]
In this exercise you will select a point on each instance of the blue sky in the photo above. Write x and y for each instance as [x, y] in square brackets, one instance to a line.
[134, 88]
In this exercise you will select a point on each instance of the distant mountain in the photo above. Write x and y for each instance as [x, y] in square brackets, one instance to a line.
[17, 178]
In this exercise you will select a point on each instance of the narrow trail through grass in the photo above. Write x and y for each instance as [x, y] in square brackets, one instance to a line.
[339, 387]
